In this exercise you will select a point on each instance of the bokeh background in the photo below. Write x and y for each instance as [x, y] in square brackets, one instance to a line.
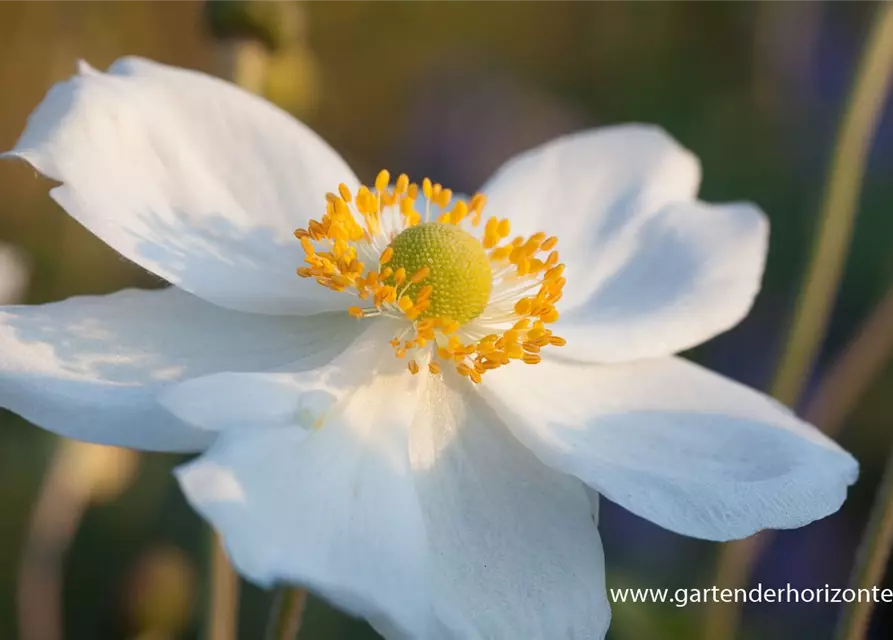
[451, 89]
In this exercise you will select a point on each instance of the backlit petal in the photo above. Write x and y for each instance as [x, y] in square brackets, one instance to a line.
[515, 551]
[91, 368]
[190, 177]
[677, 444]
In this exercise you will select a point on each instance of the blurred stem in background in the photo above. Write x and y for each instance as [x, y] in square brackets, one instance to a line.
[816, 301]
[860, 363]
[851, 374]
[839, 206]
[871, 561]
[223, 607]
[261, 46]
[287, 614]
[79, 475]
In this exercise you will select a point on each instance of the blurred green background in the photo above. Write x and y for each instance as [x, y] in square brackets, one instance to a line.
[451, 89]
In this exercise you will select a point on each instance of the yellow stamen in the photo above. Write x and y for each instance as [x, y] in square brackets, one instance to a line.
[382, 180]
[420, 275]
[355, 225]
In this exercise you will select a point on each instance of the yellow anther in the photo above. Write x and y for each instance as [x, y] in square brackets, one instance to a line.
[534, 241]
[444, 354]
[514, 351]
[405, 303]
[356, 312]
[459, 212]
[531, 358]
[382, 180]
[504, 228]
[402, 183]
[424, 293]
[386, 256]
[420, 275]
[463, 369]
[444, 197]
[434, 368]
[400, 275]
[413, 367]
[427, 189]
[345, 192]
[341, 209]
[449, 326]
[549, 244]
[557, 341]
[523, 306]
[511, 336]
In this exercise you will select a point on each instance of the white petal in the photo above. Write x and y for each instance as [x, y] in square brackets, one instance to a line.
[332, 509]
[650, 271]
[190, 177]
[515, 551]
[592, 188]
[293, 395]
[91, 367]
[13, 274]
[689, 273]
[674, 443]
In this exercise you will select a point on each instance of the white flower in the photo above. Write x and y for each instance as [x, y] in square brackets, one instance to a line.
[13, 274]
[431, 505]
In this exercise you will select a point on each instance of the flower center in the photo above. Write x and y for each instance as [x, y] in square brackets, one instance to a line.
[459, 271]
[474, 304]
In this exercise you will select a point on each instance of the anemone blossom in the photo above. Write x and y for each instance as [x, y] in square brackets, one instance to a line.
[408, 401]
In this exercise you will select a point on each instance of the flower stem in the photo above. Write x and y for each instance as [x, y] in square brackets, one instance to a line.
[838, 211]
[874, 552]
[851, 373]
[815, 302]
[223, 609]
[79, 475]
[287, 614]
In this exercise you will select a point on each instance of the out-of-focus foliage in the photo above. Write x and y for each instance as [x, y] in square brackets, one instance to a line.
[450, 90]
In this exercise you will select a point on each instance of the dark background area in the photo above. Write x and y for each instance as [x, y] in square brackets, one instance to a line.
[451, 89]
